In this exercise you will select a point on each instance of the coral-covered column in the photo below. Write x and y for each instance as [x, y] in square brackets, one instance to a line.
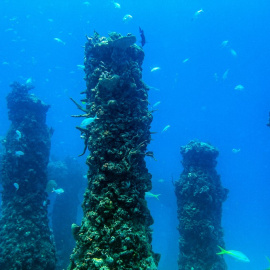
[199, 199]
[115, 232]
[25, 236]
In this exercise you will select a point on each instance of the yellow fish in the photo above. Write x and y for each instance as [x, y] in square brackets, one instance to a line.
[235, 254]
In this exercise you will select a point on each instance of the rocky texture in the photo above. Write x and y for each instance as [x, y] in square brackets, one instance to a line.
[115, 232]
[25, 238]
[199, 199]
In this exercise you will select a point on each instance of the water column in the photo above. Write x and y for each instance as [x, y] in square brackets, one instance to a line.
[26, 241]
[115, 232]
[199, 200]
[68, 175]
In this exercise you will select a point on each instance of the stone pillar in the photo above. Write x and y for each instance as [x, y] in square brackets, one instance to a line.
[25, 237]
[199, 200]
[115, 232]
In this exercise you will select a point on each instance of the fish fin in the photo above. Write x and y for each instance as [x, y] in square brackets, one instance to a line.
[156, 196]
[222, 251]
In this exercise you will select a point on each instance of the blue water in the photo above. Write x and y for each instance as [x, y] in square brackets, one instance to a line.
[196, 101]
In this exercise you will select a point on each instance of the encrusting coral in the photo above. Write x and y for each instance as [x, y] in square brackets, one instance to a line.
[26, 241]
[115, 232]
[199, 199]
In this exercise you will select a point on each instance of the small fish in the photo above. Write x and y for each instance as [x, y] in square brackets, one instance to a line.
[185, 60]
[233, 52]
[154, 88]
[161, 180]
[166, 128]
[197, 13]
[18, 135]
[151, 195]
[58, 191]
[116, 5]
[29, 81]
[86, 122]
[60, 41]
[235, 254]
[142, 36]
[235, 151]
[224, 43]
[216, 77]
[86, 4]
[50, 20]
[82, 67]
[239, 87]
[127, 18]
[225, 74]
[19, 153]
[156, 104]
[16, 185]
[44, 203]
[155, 69]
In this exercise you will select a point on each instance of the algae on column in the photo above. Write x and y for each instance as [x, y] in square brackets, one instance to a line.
[115, 232]
[26, 241]
[199, 200]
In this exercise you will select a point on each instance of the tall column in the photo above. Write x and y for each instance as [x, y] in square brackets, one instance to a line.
[199, 200]
[25, 236]
[115, 231]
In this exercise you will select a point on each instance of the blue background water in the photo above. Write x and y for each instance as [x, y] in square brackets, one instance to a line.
[195, 100]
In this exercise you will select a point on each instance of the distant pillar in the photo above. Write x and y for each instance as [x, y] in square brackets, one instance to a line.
[68, 175]
[115, 232]
[199, 199]
[25, 236]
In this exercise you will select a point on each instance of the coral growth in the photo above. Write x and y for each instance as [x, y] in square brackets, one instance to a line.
[199, 199]
[26, 241]
[115, 232]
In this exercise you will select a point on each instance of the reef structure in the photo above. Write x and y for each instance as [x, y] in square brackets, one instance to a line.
[199, 206]
[26, 241]
[115, 232]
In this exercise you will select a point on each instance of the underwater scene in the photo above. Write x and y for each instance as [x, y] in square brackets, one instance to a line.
[134, 135]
